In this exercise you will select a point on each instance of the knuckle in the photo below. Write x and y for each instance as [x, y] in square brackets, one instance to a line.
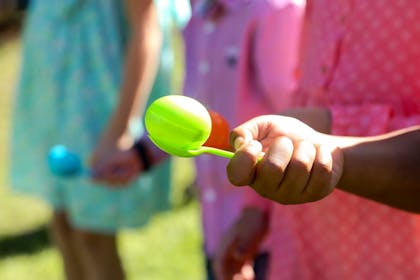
[301, 164]
[273, 166]
[323, 167]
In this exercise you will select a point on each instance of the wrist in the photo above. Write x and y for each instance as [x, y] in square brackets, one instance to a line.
[142, 152]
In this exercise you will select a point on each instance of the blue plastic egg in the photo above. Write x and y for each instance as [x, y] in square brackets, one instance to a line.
[64, 163]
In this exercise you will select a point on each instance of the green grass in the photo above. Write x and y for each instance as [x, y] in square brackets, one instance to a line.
[42, 265]
[169, 247]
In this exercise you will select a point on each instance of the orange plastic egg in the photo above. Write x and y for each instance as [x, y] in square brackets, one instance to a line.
[219, 135]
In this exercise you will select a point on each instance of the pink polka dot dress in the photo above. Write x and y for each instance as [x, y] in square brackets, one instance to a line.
[361, 59]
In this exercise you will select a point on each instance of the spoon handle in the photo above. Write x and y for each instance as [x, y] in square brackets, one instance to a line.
[217, 152]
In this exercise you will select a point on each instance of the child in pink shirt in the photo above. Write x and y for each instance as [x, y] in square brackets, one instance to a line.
[240, 60]
[361, 62]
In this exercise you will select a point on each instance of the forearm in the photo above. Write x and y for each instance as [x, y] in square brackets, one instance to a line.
[385, 168]
[141, 64]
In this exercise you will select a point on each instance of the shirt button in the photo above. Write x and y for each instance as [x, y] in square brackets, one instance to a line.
[209, 195]
[208, 27]
[232, 54]
[203, 67]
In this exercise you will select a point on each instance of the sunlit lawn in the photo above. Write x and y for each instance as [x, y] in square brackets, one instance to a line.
[169, 247]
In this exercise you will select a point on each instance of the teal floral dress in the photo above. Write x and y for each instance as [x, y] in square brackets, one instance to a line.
[72, 61]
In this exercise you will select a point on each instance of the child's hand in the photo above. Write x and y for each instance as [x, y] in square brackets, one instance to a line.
[284, 160]
[119, 168]
[239, 245]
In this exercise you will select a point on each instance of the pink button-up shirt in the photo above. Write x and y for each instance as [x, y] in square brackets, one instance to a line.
[361, 59]
[240, 65]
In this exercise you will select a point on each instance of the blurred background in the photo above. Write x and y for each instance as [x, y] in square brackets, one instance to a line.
[169, 245]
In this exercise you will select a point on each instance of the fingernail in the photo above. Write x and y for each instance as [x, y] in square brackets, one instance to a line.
[238, 143]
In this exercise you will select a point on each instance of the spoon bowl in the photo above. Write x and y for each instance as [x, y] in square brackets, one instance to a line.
[180, 125]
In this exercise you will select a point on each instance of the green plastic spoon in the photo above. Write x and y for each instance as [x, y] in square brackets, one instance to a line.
[180, 125]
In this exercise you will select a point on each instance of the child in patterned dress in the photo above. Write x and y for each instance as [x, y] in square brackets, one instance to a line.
[78, 55]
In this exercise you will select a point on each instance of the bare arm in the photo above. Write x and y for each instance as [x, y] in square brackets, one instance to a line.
[141, 64]
[384, 168]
